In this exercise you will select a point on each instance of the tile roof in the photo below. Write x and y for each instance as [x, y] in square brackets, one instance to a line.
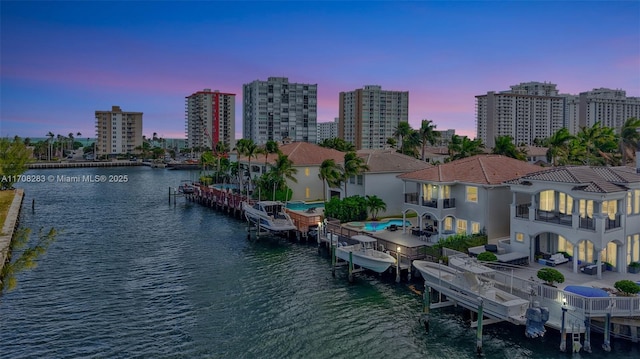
[302, 154]
[390, 161]
[480, 169]
[588, 179]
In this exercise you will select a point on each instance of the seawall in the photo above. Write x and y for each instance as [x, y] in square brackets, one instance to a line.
[10, 225]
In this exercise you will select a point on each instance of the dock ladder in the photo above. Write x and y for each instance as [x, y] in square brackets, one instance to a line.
[575, 337]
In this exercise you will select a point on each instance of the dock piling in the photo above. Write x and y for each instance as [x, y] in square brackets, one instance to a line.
[479, 329]
[563, 331]
[607, 333]
[426, 306]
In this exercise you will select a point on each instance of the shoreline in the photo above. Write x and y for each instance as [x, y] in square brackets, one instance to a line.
[10, 225]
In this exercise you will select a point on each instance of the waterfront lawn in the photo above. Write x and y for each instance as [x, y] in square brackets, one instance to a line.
[6, 197]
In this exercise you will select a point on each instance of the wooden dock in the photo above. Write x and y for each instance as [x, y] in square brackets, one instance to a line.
[10, 225]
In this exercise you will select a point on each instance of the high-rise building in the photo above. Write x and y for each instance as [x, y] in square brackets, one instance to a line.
[369, 116]
[118, 132]
[327, 130]
[280, 111]
[210, 117]
[528, 111]
[609, 107]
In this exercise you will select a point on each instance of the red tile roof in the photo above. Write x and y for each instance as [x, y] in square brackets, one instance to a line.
[480, 169]
[302, 154]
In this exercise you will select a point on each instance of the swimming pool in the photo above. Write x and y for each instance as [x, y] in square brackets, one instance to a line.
[303, 206]
[373, 226]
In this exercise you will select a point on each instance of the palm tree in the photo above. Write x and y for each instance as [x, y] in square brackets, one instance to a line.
[629, 137]
[270, 147]
[241, 144]
[375, 205]
[557, 145]
[401, 132]
[462, 147]
[284, 169]
[504, 146]
[330, 175]
[250, 150]
[428, 134]
[50, 152]
[411, 143]
[353, 166]
[599, 142]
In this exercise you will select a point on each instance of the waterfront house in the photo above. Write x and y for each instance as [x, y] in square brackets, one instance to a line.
[381, 178]
[306, 158]
[590, 213]
[463, 196]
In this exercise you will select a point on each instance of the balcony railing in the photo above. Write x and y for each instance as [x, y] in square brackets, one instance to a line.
[449, 203]
[411, 198]
[612, 223]
[433, 203]
[522, 210]
[553, 217]
[586, 223]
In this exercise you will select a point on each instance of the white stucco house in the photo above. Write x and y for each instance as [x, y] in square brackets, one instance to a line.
[463, 196]
[591, 213]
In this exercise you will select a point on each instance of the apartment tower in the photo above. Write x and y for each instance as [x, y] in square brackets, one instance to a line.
[369, 116]
[210, 117]
[609, 107]
[280, 111]
[118, 132]
[528, 111]
[328, 130]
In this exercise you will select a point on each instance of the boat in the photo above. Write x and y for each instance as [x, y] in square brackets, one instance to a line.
[186, 187]
[364, 254]
[269, 214]
[467, 288]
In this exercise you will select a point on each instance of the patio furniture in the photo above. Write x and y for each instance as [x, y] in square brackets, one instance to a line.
[592, 269]
[556, 259]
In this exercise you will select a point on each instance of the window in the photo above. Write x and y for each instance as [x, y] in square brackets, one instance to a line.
[360, 179]
[610, 208]
[585, 251]
[586, 208]
[430, 191]
[448, 224]
[564, 245]
[306, 171]
[472, 194]
[633, 248]
[519, 237]
[610, 254]
[307, 192]
[547, 200]
[461, 226]
[565, 203]
[475, 227]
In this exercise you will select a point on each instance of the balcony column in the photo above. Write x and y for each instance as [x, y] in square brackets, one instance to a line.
[575, 258]
[575, 214]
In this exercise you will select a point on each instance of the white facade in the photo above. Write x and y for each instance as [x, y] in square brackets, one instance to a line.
[369, 116]
[210, 118]
[591, 213]
[327, 130]
[609, 107]
[528, 111]
[117, 132]
[278, 110]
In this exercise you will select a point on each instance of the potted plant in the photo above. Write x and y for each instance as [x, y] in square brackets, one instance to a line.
[634, 267]
[487, 257]
[608, 266]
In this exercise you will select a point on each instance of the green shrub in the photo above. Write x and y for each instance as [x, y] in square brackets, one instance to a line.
[550, 276]
[627, 287]
[634, 264]
[487, 257]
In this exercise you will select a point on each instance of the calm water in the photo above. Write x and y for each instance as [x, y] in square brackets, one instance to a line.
[132, 276]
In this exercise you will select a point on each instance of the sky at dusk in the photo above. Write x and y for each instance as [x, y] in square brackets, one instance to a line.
[60, 61]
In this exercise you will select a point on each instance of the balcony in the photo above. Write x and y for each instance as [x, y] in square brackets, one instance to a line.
[522, 210]
[612, 223]
[433, 203]
[553, 217]
[448, 203]
[586, 223]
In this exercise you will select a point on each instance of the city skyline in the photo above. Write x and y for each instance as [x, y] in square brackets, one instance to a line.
[62, 61]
